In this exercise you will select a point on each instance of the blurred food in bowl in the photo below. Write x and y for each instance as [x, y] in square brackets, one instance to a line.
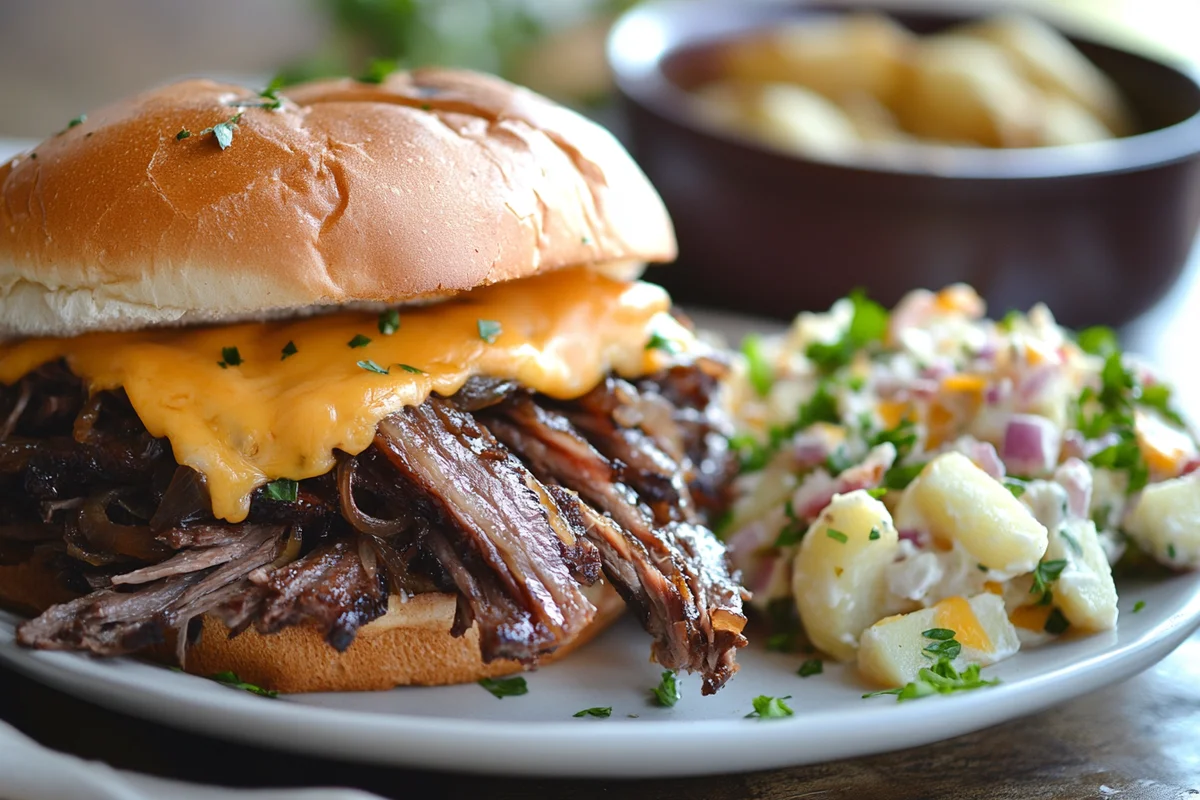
[835, 198]
[833, 86]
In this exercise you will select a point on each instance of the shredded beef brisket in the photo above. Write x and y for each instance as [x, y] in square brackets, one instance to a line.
[511, 500]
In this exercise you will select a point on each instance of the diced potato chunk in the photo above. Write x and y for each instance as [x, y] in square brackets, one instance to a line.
[837, 577]
[965, 91]
[857, 54]
[1048, 59]
[1166, 521]
[890, 652]
[1084, 592]
[790, 117]
[958, 502]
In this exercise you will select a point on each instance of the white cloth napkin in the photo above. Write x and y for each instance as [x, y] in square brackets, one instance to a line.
[29, 771]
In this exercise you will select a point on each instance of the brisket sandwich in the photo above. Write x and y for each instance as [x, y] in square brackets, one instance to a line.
[351, 388]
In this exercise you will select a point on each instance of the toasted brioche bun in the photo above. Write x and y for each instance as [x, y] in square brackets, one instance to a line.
[428, 184]
[410, 645]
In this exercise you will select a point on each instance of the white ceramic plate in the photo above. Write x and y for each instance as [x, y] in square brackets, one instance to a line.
[464, 728]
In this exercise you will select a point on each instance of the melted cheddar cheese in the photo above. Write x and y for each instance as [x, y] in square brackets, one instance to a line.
[271, 416]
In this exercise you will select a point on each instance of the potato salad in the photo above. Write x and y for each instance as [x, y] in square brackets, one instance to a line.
[927, 491]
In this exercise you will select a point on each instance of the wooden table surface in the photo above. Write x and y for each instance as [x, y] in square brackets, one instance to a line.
[1138, 739]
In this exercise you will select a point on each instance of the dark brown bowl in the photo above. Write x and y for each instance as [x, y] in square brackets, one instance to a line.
[1098, 231]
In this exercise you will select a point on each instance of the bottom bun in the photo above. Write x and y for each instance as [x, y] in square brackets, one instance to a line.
[409, 645]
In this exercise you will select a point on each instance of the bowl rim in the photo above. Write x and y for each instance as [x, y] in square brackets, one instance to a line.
[644, 37]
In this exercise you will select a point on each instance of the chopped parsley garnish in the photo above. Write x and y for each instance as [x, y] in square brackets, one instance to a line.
[793, 530]
[1015, 486]
[1071, 541]
[389, 322]
[1010, 319]
[230, 357]
[949, 648]
[878, 493]
[1171, 551]
[767, 707]
[938, 634]
[1111, 409]
[758, 369]
[358, 341]
[838, 462]
[1045, 574]
[903, 437]
[814, 666]
[288, 350]
[1125, 456]
[1056, 623]
[82, 118]
[901, 475]
[1158, 397]
[378, 70]
[1138, 606]
[666, 694]
[868, 325]
[505, 687]
[941, 678]
[598, 711]
[1099, 340]
[231, 680]
[371, 366]
[271, 92]
[283, 490]
[873, 535]
[489, 330]
[821, 407]
[836, 535]
[659, 342]
[785, 635]
[222, 131]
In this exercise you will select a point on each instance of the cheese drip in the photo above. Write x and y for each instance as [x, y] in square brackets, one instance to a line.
[272, 417]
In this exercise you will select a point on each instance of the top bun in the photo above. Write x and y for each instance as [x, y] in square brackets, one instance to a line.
[430, 183]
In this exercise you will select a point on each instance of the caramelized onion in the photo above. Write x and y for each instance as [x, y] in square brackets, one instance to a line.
[29, 532]
[366, 554]
[85, 422]
[400, 577]
[291, 549]
[109, 537]
[360, 520]
[15, 454]
[186, 500]
[14, 416]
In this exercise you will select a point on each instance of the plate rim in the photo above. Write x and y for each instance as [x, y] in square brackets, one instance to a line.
[617, 748]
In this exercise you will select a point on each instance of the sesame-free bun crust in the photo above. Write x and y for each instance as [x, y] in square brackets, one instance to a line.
[410, 645]
[431, 183]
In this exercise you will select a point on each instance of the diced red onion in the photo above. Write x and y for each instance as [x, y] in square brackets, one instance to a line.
[998, 392]
[758, 578]
[1035, 384]
[808, 450]
[750, 553]
[982, 454]
[1076, 478]
[1031, 445]
[938, 370]
[911, 536]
